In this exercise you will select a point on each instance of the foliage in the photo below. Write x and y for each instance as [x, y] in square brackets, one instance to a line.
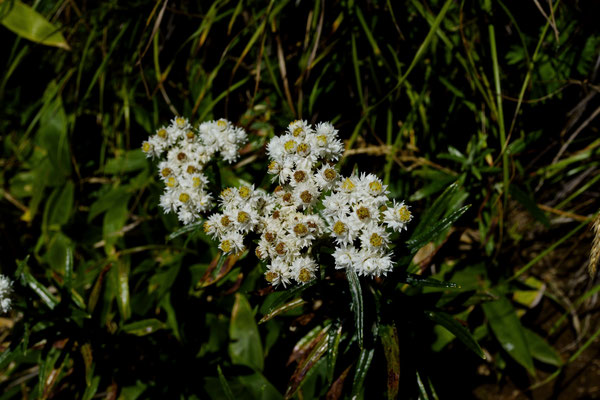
[457, 105]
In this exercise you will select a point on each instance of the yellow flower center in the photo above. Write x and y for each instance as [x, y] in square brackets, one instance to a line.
[196, 181]
[166, 172]
[184, 197]
[300, 229]
[225, 221]
[376, 240]
[289, 146]
[329, 174]
[190, 135]
[404, 214]
[339, 228]
[375, 187]
[171, 181]
[287, 197]
[273, 167]
[226, 245]
[297, 131]
[303, 149]
[206, 227]
[271, 276]
[243, 216]
[162, 133]
[299, 176]
[306, 196]
[244, 192]
[226, 192]
[222, 123]
[180, 122]
[363, 213]
[348, 184]
[280, 248]
[191, 169]
[322, 140]
[146, 147]
[269, 237]
[304, 275]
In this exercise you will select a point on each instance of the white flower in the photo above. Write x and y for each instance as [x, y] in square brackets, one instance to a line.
[5, 291]
[304, 268]
[374, 238]
[232, 242]
[343, 230]
[279, 272]
[346, 257]
[397, 216]
[373, 264]
[326, 177]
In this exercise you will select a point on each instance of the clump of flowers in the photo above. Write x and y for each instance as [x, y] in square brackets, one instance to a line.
[5, 290]
[184, 151]
[353, 210]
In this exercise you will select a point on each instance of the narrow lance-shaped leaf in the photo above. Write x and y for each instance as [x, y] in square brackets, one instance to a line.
[282, 309]
[414, 244]
[334, 337]
[357, 303]
[224, 385]
[391, 350]
[540, 349]
[419, 281]
[144, 327]
[448, 322]
[364, 363]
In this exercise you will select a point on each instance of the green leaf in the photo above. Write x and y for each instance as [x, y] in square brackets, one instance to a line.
[114, 221]
[508, 330]
[59, 206]
[432, 233]
[186, 229]
[439, 206]
[277, 299]
[143, 327]
[529, 204]
[224, 384]
[452, 325]
[29, 24]
[391, 349]
[282, 309]
[47, 297]
[364, 363]
[357, 303]
[419, 281]
[129, 161]
[52, 136]
[245, 347]
[123, 300]
[113, 198]
[333, 343]
[541, 350]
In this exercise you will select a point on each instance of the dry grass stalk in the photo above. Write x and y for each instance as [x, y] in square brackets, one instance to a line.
[595, 253]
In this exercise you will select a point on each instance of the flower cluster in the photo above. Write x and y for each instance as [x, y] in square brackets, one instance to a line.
[356, 211]
[184, 152]
[5, 290]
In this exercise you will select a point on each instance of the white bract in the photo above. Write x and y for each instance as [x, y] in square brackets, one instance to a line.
[5, 291]
[184, 152]
[353, 213]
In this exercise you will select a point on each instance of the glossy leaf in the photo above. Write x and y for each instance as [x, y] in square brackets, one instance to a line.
[507, 328]
[333, 339]
[143, 327]
[39, 289]
[282, 309]
[186, 229]
[218, 269]
[245, 347]
[419, 281]
[391, 350]
[305, 365]
[362, 367]
[28, 23]
[432, 232]
[457, 329]
[357, 303]
[277, 299]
